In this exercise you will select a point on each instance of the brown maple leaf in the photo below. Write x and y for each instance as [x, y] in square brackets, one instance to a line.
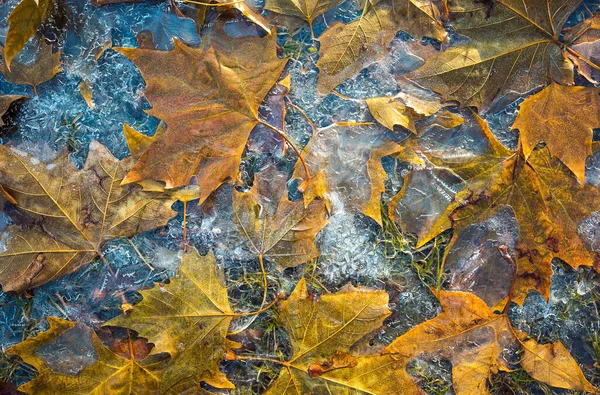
[476, 341]
[563, 117]
[514, 47]
[346, 48]
[276, 228]
[75, 213]
[548, 203]
[209, 100]
[321, 331]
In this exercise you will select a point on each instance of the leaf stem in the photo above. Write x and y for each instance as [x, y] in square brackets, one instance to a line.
[260, 359]
[301, 111]
[580, 56]
[287, 140]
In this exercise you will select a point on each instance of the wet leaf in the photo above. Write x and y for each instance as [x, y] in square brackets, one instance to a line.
[76, 212]
[301, 10]
[188, 318]
[109, 373]
[584, 42]
[404, 109]
[24, 21]
[276, 228]
[563, 117]
[43, 69]
[548, 202]
[477, 342]
[348, 48]
[209, 100]
[6, 101]
[321, 331]
[514, 47]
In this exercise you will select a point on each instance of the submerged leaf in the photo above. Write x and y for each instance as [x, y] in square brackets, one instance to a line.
[548, 202]
[188, 318]
[476, 341]
[209, 100]
[77, 212]
[24, 21]
[278, 229]
[107, 373]
[43, 69]
[349, 157]
[348, 48]
[5, 102]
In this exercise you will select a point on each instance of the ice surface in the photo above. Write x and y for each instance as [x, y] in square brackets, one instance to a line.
[71, 352]
[482, 259]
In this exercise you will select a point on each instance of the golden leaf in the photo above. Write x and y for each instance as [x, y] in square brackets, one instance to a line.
[188, 318]
[563, 117]
[322, 331]
[209, 100]
[77, 212]
[108, 373]
[5, 102]
[24, 21]
[278, 229]
[404, 109]
[348, 48]
[514, 48]
[548, 203]
[473, 338]
[43, 69]
[301, 10]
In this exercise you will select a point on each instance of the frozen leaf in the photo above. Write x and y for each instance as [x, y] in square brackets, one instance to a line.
[322, 331]
[46, 66]
[476, 341]
[110, 373]
[209, 100]
[24, 21]
[76, 213]
[548, 202]
[301, 10]
[276, 228]
[563, 117]
[348, 48]
[188, 318]
[404, 109]
[5, 102]
[349, 158]
[514, 47]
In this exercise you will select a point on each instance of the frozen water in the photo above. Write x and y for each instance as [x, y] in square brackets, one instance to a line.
[349, 251]
[353, 247]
